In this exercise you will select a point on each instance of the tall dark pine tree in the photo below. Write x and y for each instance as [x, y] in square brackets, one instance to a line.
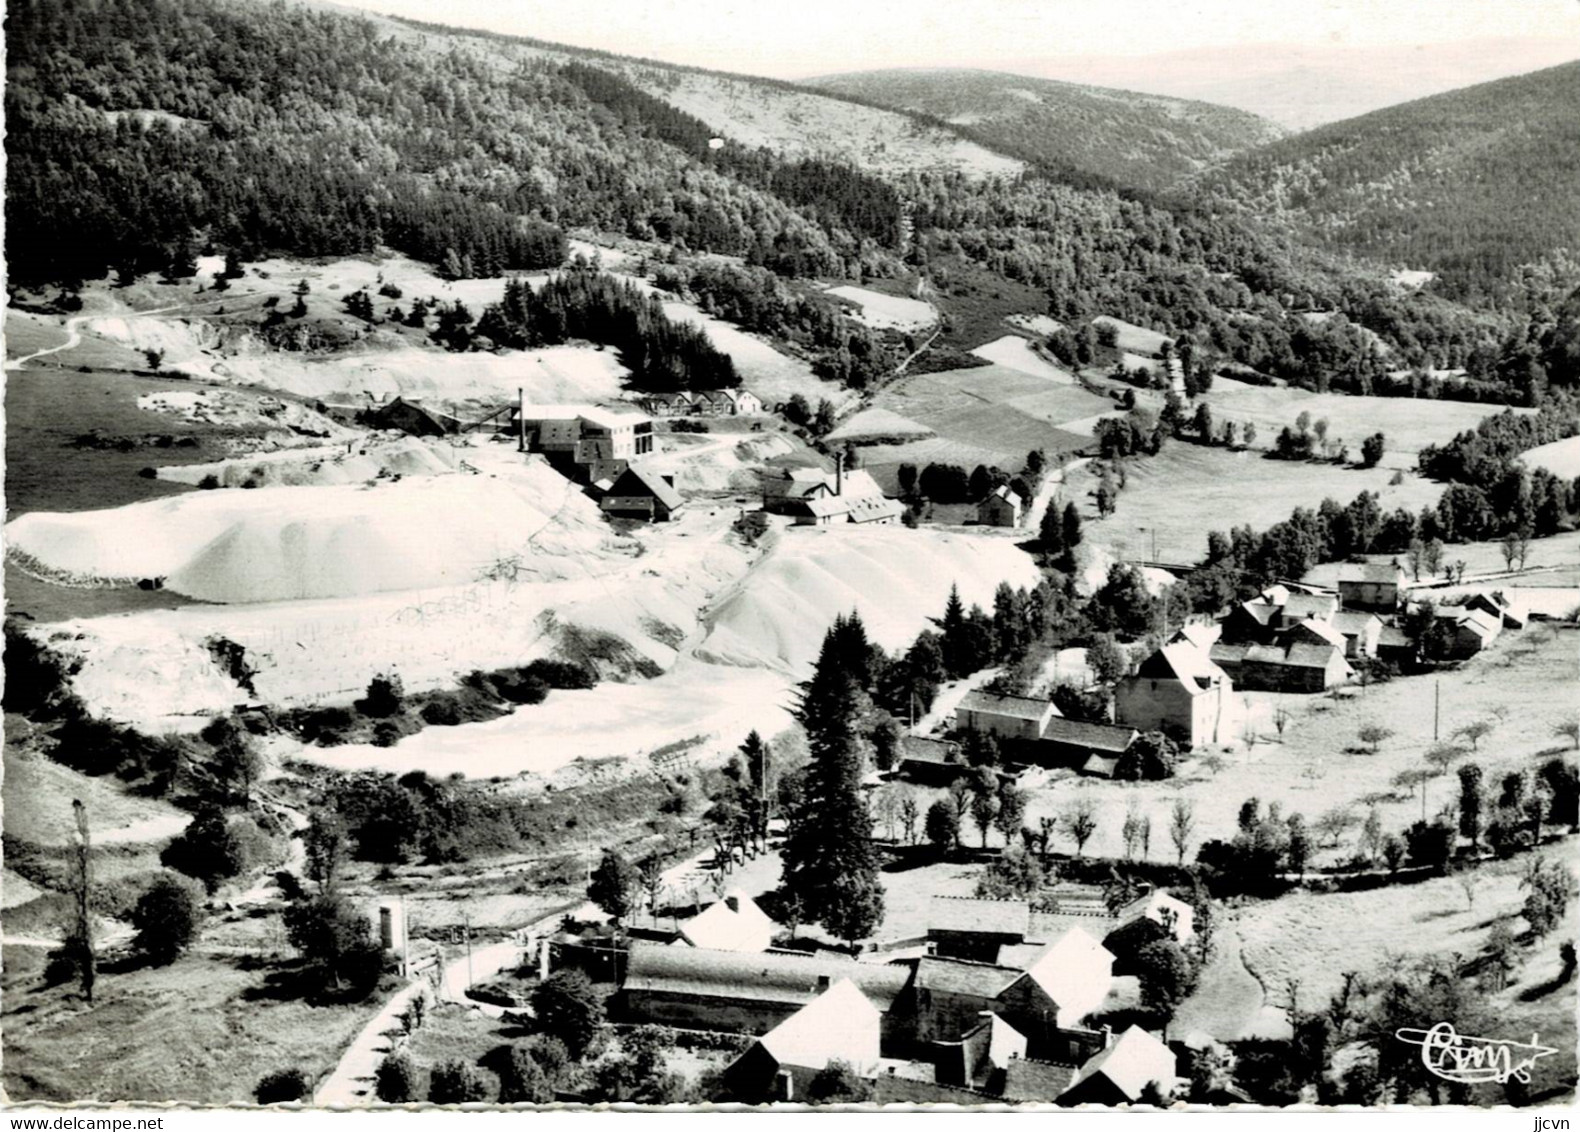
[845, 656]
[830, 866]
[953, 626]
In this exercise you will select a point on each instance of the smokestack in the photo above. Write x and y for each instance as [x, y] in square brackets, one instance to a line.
[521, 418]
[733, 903]
[839, 475]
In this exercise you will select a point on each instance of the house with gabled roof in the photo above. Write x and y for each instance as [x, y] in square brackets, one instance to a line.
[1510, 614]
[965, 928]
[840, 1024]
[1180, 691]
[1074, 973]
[1300, 607]
[1007, 717]
[1002, 507]
[734, 923]
[639, 493]
[1470, 630]
[1169, 912]
[1361, 632]
[1121, 1073]
[1376, 586]
[1095, 748]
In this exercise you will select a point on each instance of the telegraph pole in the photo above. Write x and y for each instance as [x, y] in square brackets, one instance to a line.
[1437, 705]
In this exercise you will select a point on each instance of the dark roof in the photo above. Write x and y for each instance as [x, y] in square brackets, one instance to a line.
[995, 917]
[1089, 736]
[1299, 606]
[1259, 611]
[766, 976]
[1026, 1080]
[1393, 637]
[1310, 656]
[1015, 707]
[960, 976]
[639, 481]
[923, 749]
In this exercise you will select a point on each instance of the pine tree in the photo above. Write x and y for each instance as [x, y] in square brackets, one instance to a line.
[829, 862]
[954, 629]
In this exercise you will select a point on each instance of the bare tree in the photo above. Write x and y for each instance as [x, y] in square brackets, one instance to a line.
[1182, 822]
[1130, 832]
[1476, 732]
[1467, 884]
[1373, 735]
[1281, 718]
[1569, 729]
[1080, 822]
[910, 814]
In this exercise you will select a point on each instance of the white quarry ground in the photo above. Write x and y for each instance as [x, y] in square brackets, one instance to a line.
[732, 637]
[888, 312]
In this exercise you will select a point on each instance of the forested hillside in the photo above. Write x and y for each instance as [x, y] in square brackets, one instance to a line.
[152, 129]
[1477, 185]
[1138, 140]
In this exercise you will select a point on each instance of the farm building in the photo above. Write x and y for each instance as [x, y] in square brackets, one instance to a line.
[1361, 632]
[1177, 690]
[981, 1056]
[1121, 1073]
[1095, 748]
[1250, 622]
[960, 928]
[1510, 614]
[1470, 630]
[930, 762]
[1394, 647]
[840, 1024]
[735, 923]
[1291, 665]
[744, 992]
[1001, 508]
[586, 442]
[640, 494]
[1074, 974]
[1298, 607]
[1007, 717]
[1376, 587]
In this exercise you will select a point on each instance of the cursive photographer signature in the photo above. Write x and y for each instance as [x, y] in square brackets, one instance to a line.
[1459, 1057]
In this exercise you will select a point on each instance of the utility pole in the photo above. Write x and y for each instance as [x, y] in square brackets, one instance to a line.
[521, 418]
[1437, 705]
[466, 927]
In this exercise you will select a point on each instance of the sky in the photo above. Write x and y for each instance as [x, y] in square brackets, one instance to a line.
[811, 37]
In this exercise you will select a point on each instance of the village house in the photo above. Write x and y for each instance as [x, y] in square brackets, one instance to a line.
[840, 1024]
[1015, 718]
[1298, 607]
[1180, 691]
[1376, 587]
[1510, 614]
[1251, 622]
[981, 1057]
[1361, 632]
[1292, 664]
[1395, 648]
[638, 493]
[1469, 630]
[1094, 748]
[743, 992]
[674, 404]
[586, 443]
[962, 928]
[792, 487]
[929, 762]
[1121, 1073]
[726, 403]
[735, 923]
[1001, 508]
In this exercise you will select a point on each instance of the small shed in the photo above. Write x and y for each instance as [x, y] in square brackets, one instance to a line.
[641, 494]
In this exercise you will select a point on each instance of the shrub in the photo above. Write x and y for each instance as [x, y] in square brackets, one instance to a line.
[569, 1008]
[462, 705]
[522, 1080]
[395, 1080]
[35, 679]
[209, 482]
[386, 696]
[208, 850]
[148, 473]
[166, 918]
[561, 674]
[327, 726]
[282, 1087]
[456, 1082]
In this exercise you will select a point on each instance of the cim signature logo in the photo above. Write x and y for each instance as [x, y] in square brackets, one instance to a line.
[1459, 1057]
